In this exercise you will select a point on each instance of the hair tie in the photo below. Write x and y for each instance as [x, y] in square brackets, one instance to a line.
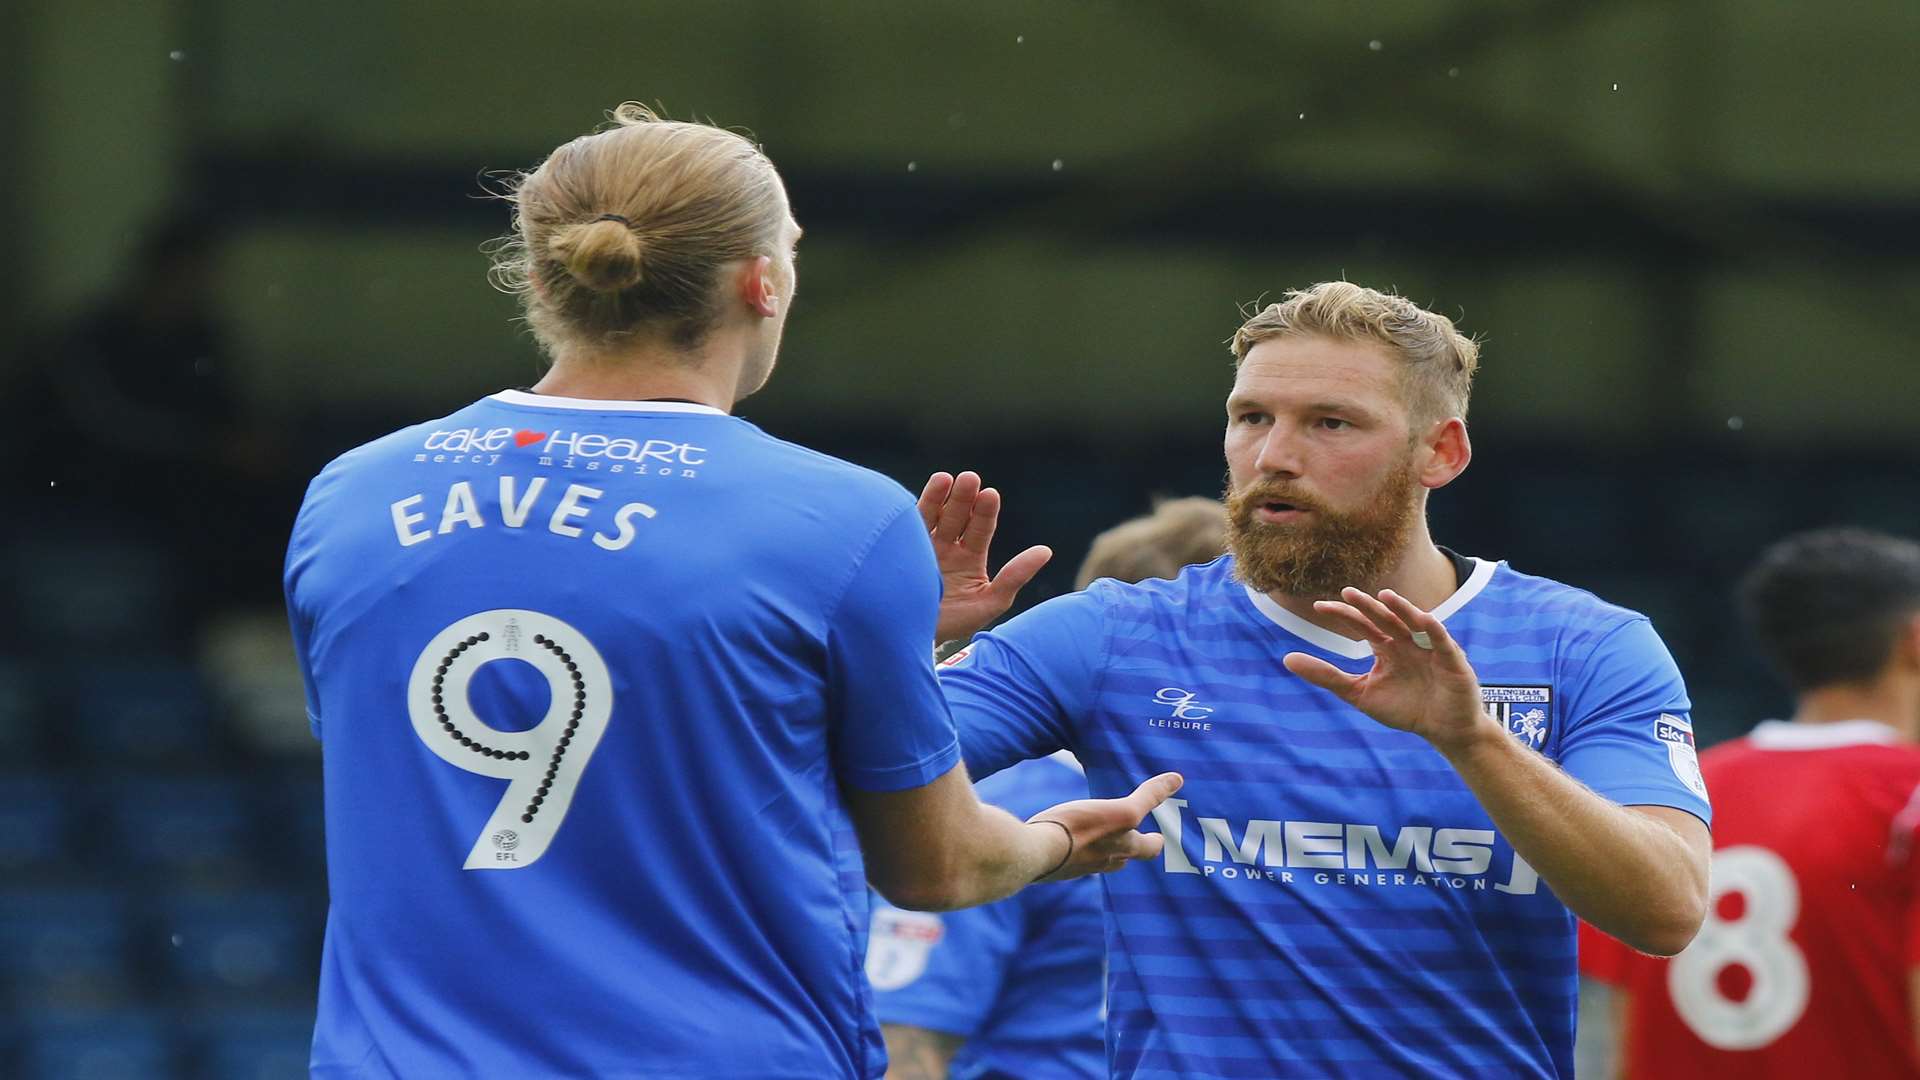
[615, 217]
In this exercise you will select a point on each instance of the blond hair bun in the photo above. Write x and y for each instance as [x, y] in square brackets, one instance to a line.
[604, 256]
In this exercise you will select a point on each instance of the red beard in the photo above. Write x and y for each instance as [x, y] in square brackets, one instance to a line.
[1329, 550]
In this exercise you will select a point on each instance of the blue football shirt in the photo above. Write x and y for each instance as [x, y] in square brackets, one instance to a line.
[588, 678]
[1020, 979]
[1331, 900]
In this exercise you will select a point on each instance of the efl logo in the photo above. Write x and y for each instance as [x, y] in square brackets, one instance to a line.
[901, 942]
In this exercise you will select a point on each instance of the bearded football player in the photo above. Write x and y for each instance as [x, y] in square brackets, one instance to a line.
[1407, 769]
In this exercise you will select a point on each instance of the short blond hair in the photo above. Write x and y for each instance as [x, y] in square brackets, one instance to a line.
[626, 229]
[1437, 361]
[1178, 533]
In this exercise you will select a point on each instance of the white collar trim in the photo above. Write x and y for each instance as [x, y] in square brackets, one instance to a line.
[549, 401]
[1065, 757]
[1348, 647]
[1787, 735]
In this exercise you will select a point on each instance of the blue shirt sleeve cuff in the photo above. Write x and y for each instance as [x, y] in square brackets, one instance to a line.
[1658, 796]
[901, 777]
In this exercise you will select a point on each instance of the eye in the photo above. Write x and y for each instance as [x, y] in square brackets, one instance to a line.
[1252, 418]
[1331, 423]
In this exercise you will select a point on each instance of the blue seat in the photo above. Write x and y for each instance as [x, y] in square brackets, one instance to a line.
[147, 711]
[112, 1044]
[253, 1044]
[37, 825]
[243, 945]
[177, 824]
[66, 946]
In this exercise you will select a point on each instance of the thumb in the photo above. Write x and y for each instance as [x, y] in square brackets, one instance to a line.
[1019, 571]
[1154, 791]
[1321, 674]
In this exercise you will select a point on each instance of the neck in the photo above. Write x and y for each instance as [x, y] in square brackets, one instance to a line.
[1421, 573]
[1893, 702]
[651, 370]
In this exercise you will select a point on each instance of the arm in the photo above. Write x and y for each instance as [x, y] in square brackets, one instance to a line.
[938, 847]
[1637, 873]
[915, 1053]
[1913, 1001]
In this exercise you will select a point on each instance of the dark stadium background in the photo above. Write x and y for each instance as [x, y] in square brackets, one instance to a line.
[245, 237]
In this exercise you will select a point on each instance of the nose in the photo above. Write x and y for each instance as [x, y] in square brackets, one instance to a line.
[1279, 454]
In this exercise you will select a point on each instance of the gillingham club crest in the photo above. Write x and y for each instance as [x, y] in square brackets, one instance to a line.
[1525, 711]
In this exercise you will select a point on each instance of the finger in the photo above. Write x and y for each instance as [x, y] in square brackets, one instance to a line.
[1145, 846]
[1152, 792]
[957, 509]
[1019, 570]
[933, 497]
[1425, 622]
[982, 520]
[1322, 674]
[1382, 615]
[1355, 620]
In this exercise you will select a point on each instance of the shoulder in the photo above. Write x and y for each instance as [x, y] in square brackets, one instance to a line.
[1186, 593]
[853, 481]
[1557, 602]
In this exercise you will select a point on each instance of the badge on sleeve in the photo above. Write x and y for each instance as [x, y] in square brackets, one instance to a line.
[897, 950]
[1525, 711]
[1677, 734]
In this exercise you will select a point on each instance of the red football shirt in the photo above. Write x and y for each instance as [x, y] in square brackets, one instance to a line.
[1802, 967]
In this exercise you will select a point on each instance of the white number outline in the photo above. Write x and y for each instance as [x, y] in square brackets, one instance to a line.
[543, 763]
[1758, 941]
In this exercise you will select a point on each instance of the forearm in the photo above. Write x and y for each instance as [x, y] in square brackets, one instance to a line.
[992, 856]
[915, 1053]
[1627, 874]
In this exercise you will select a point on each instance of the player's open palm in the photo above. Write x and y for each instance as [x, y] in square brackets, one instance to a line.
[961, 517]
[1420, 680]
[1104, 833]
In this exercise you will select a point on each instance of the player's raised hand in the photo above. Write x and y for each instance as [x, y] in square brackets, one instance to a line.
[1104, 833]
[961, 516]
[1420, 680]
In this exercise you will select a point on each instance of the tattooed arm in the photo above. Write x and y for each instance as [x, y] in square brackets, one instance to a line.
[915, 1053]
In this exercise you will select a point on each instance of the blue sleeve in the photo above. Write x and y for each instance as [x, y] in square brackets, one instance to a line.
[942, 972]
[1017, 692]
[1629, 730]
[890, 726]
[298, 556]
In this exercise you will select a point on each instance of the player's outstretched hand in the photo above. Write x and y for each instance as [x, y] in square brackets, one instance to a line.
[1105, 832]
[1420, 680]
[960, 516]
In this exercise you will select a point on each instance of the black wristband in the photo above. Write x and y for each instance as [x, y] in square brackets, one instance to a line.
[1064, 858]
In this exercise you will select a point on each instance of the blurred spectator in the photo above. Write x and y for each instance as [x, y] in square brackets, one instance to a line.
[1178, 533]
[144, 413]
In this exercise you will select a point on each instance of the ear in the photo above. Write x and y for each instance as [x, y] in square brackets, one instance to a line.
[758, 287]
[1444, 452]
[1907, 650]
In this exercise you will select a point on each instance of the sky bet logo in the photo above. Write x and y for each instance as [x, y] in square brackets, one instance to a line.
[565, 449]
[1334, 853]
